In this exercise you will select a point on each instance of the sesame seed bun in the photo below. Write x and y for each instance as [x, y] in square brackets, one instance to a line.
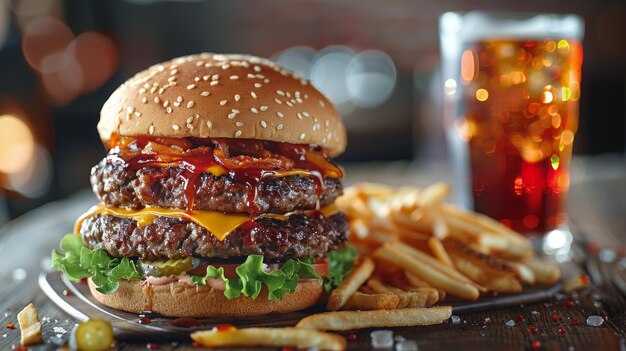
[181, 300]
[223, 96]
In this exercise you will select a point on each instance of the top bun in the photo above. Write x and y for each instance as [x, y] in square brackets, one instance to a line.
[223, 96]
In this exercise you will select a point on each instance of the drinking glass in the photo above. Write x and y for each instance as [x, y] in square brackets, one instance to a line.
[511, 89]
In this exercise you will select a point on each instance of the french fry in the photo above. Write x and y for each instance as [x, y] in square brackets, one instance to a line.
[430, 261]
[340, 295]
[270, 337]
[30, 325]
[523, 272]
[434, 194]
[350, 320]
[425, 271]
[439, 251]
[381, 288]
[487, 271]
[545, 273]
[367, 302]
[489, 225]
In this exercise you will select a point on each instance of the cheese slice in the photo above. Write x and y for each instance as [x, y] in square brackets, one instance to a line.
[218, 223]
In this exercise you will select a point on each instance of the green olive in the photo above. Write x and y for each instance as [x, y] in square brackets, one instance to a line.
[94, 335]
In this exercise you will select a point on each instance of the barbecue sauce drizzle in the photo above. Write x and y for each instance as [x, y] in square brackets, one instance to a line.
[254, 160]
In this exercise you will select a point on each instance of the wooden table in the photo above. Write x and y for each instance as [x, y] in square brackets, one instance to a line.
[597, 205]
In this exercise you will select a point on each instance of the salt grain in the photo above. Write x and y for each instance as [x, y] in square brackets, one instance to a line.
[595, 321]
[382, 338]
[456, 320]
[510, 323]
[408, 345]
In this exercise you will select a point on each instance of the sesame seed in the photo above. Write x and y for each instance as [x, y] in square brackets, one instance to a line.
[175, 127]
[280, 92]
[205, 93]
[299, 115]
[253, 94]
[206, 77]
[251, 76]
[263, 108]
[191, 86]
[166, 103]
[213, 83]
[263, 124]
[239, 124]
[161, 90]
[215, 77]
[232, 115]
[190, 104]
[277, 101]
[196, 79]
[298, 100]
[142, 91]
[327, 123]
[130, 109]
[176, 103]
[173, 72]
[258, 85]
[138, 114]
[189, 119]
[235, 111]
[302, 136]
[322, 103]
[157, 100]
[289, 103]
[234, 77]
[279, 127]
[225, 66]
[304, 81]
[257, 69]
[209, 124]
[169, 110]
[144, 100]
[151, 129]
[305, 114]
[266, 80]
[260, 76]
[237, 97]
[171, 79]
[279, 114]
[237, 134]
[223, 102]
[254, 110]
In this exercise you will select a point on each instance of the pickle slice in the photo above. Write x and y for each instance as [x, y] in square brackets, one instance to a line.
[166, 267]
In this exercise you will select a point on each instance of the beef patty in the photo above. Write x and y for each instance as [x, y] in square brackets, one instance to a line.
[117, 185]
[275, 239]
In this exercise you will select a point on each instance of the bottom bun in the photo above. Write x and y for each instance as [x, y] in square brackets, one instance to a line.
[182, 300]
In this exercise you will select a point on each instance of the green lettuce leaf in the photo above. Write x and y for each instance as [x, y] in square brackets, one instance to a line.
[78, 262]
[340, 264]
[251, 277]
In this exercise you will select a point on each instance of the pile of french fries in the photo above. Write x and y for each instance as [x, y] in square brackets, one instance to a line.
[423, 249]
[415, 250]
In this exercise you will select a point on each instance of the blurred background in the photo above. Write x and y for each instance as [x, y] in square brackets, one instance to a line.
[377, 61]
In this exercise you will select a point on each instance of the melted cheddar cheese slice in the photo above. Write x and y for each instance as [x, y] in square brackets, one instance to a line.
[218, 223]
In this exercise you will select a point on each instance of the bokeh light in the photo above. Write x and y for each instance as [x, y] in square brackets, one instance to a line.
[17, 144]
[329, 71]
[298, 59]
[97, 57]
[370, 78]
[44, 36]
[35, 179]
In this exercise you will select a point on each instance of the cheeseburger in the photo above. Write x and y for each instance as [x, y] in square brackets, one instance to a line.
[216, 194]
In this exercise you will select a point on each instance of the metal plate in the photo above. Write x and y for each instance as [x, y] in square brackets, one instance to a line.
[76, 300]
